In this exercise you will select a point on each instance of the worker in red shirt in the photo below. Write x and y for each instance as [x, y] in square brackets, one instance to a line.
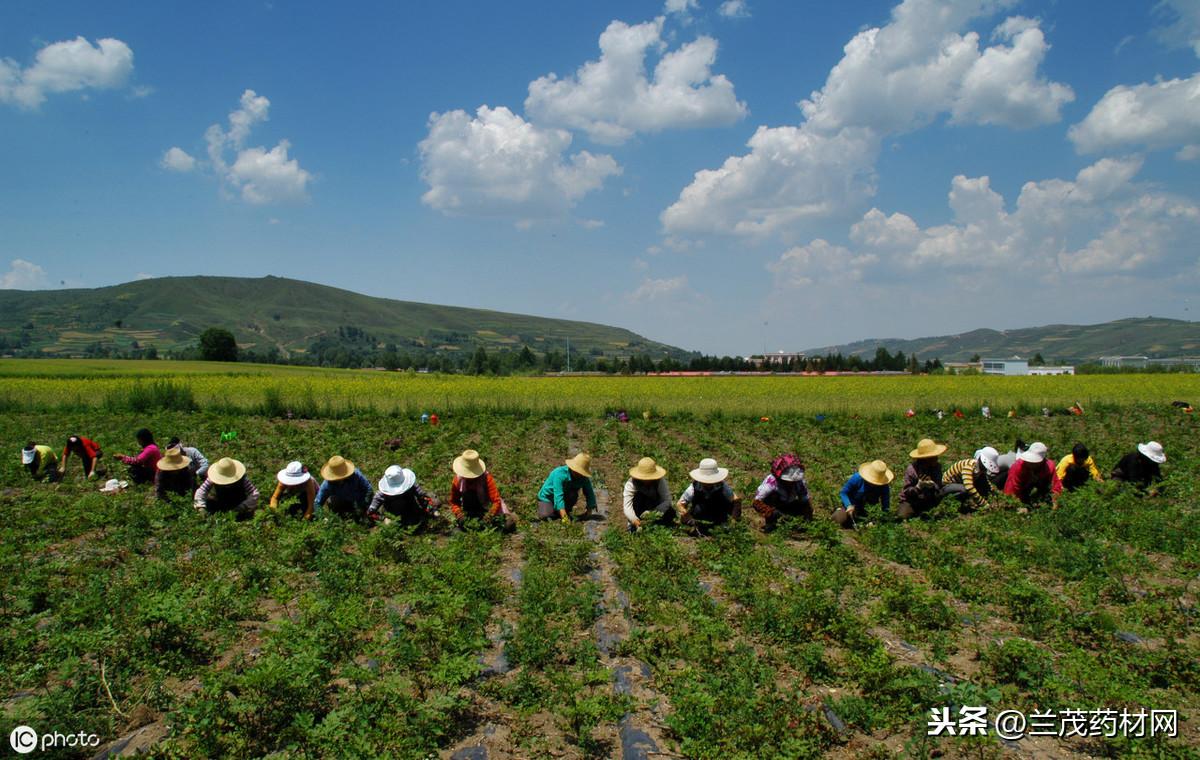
[89, 454]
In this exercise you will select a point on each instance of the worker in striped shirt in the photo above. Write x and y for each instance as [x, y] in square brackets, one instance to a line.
[968, 479]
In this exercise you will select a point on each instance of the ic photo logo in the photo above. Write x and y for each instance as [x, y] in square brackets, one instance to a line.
[23, 739]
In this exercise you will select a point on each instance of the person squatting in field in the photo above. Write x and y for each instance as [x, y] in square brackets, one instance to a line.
[197, 462]
[560, 491]
[783, 492]
[142, 467]
[296, 486]
[646, 494]
[1033, 477]
[922, 488]
[227, 489]
[89, 454]
[474, 497]
[345, 489]
[1077, 468]
[967, 479]
[709, 500]
[40, 461]
[174, 474]
[870, 485]
[400, 494]
[1142, 468]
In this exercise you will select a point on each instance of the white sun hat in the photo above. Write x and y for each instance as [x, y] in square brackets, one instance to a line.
[114, 485]
[294, 474]
[1153, 451]
[27, 455]
[396, 480]
[1035, 454]
[989, 458]
[709, 472]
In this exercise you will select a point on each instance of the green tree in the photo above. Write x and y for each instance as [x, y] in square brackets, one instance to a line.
[1037, 360]
[218, 345]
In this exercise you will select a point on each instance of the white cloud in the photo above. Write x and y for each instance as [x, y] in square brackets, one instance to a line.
[591, 224]
[652, 289]
[24, 275]
[1100, 224]
[260, 176]
[1159, 115]
[681, 6]
[498, 164]
[613, 98]
[1183, 27]
[734, 9]
[177, 160]
[143, 276]
[890, 80]
[66, 66]
[1188, 153]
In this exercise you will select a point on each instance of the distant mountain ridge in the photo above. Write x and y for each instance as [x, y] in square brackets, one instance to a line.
[169, 313]
[1146, 336]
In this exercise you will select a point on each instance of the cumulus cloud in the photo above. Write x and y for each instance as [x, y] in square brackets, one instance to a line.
[1182, 27]
[734, 9]
[497, 164]
[652, 289]
[681, 6]
[890, 80]
[257, 174]
[613, 98]
[1160, 115]
[177, 160]
[66, 66]
[24, 275]
[1100, 224]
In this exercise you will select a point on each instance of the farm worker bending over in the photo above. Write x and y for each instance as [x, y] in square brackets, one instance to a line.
[346, 489]
[968, 479]
[197, 463]
[922, 489]
[142, 467]
[870, 485]
[474, 495]
[1033, 476]
[783, 491]
[647, 492]
[41, 461]
[295, 484]
[401, 495]
[173, 476]
[561, 489]
[227, 489]
[1077, 468]
[709, 500]
[88, 452]
[1141, 468]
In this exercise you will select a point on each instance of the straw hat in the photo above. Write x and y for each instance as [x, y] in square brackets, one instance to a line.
[927, 449]
[1035, 454]
[709, 472]
[647, 469]
[337, 468]
[581, 463]
[1153, 451]
[876, 473]
[114, 485]
[396, 480]
[294, 474]
[173, 460]
[226, 471]
[469, 465]
[989, 458]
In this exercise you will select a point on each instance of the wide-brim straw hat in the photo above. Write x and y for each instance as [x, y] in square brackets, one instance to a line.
[469, 465]
[337, 468]
[709, 472]
[876, 473]
[927, 448]
[226, 471]
[173, 460]
[1035, 454]
[293, 475]
[647, 469]
[1153, 451]
[580, 463]
[396, 480]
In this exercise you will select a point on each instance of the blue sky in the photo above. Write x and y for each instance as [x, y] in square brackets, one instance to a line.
[724, 176]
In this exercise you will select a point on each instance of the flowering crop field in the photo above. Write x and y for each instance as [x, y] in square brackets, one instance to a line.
[51, 384]
[153, 627]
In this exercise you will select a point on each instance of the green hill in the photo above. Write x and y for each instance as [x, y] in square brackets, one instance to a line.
[1149, 336]
[289, 316]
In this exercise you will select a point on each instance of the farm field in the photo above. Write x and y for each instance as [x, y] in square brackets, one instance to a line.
[207, 637]
[50, 384]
